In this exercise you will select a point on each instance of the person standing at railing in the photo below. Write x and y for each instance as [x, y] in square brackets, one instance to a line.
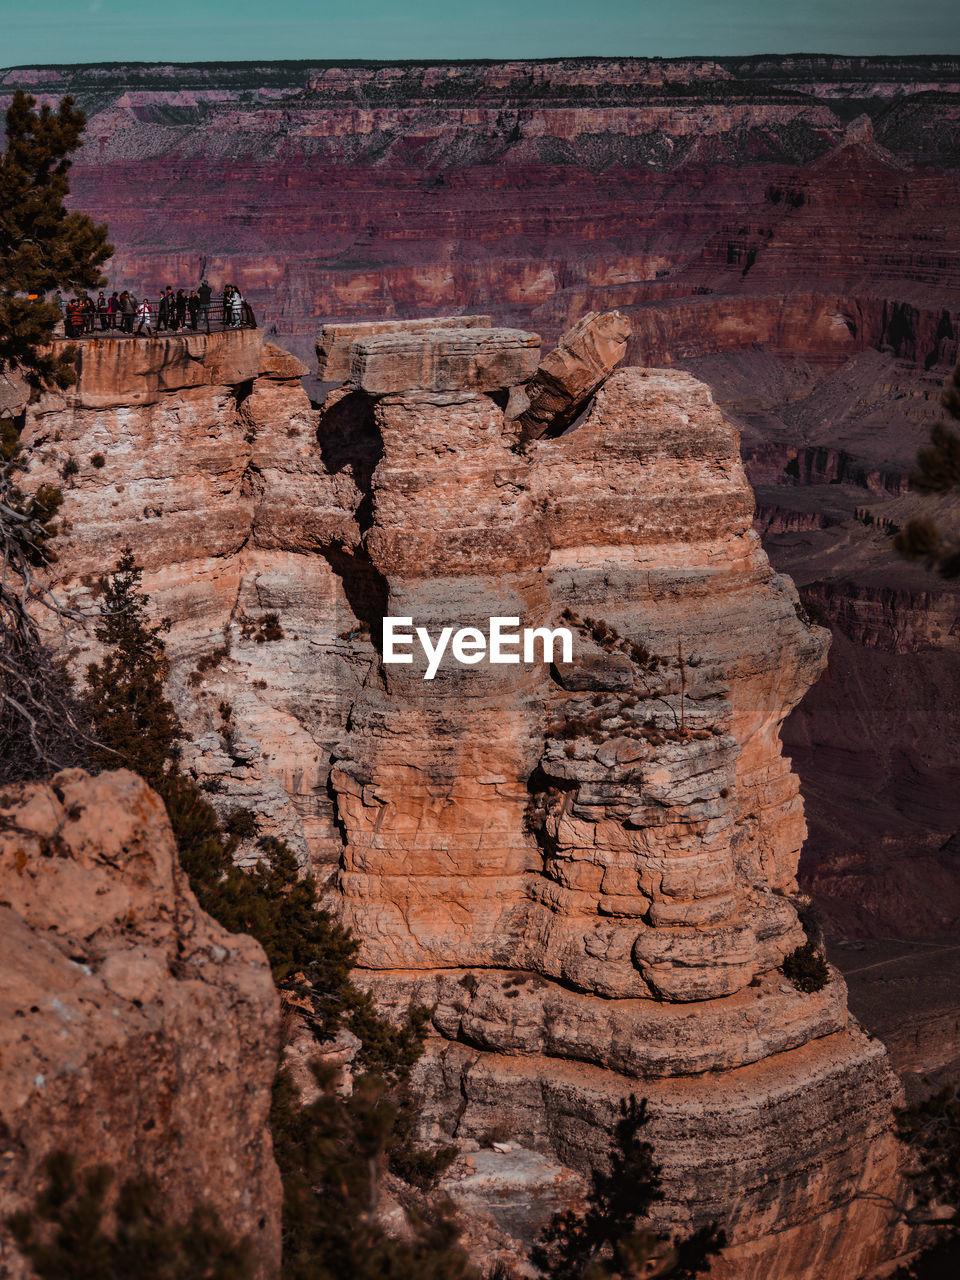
[171, 302]
[73, 318]
[102, 314]
[113, 310]
[204, 294]
[89, 314]
[193, 306]
[225, 303]
[180, 309]
[145, 318]
[236, 309]
[128, 309]
[163, 312]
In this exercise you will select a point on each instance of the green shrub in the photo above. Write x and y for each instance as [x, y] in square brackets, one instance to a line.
[806, 968]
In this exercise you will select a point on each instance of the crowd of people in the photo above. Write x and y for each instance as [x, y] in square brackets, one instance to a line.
[173, 311]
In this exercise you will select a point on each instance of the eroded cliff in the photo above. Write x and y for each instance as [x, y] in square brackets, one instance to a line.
[586, 868]
[136, 1033]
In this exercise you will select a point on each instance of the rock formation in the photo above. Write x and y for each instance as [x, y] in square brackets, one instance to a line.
[586, 868]
[134, 1031]
[570, 374]
[784, 227]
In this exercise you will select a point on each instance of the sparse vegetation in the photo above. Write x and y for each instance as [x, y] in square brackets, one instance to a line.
[937, 471]
[806, 968]
[612, 1238]
[40, 722]
[65, 1237]
[931, 1131]
[262, 629]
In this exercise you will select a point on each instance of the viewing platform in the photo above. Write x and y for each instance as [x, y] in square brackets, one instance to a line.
[114, 370]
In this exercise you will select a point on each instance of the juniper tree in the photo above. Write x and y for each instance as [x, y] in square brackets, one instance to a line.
[43, 246]
[612, 1238]
[931, 1131]
[937, 471]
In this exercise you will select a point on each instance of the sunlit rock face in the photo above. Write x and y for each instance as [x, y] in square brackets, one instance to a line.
[135, 1032]
[584, 867]
[783, 226]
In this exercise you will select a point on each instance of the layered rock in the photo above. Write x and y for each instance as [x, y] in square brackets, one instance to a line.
[585, 868]
[587, 874]
[135, 1032]
[737, 210]
[335, 341]
[569, 375]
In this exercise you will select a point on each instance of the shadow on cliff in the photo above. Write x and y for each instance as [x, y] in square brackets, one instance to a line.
[349, 441]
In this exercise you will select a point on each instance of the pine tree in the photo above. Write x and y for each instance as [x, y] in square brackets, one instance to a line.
[39, 721]
[610, 1240]
[938, 471]
[931, 1130]
[134, 722]
[42, 246]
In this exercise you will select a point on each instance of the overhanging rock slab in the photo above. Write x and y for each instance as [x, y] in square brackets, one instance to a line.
[444, 360]
[335, 340]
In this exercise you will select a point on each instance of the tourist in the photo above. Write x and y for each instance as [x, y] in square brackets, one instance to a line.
[225, 303]
[163, 312]
[113, 310]
[204, 294]
[180, 309]
[61, 305]
[171, 307]
[73, 320]
[193, 306]
[236, 309]
[102, 311]
[144, 317]
[89, 314]
[128, 309]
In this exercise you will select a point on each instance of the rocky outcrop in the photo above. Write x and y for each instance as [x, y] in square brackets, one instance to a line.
[570, 374]
[587, 874]
[335, 341]
[134, 1031]
[585, 868]
[446, 359]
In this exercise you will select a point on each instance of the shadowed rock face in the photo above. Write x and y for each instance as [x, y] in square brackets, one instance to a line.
[585, 868]
[135, 1032]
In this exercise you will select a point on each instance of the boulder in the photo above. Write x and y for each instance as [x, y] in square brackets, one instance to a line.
[335, 340]
[443, 360]
[570, 374]
[135, 1032]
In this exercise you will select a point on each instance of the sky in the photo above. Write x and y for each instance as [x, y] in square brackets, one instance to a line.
[45, 31]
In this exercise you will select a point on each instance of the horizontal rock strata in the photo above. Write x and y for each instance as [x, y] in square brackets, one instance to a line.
[335, 341]
[586, 868]
[443, 360]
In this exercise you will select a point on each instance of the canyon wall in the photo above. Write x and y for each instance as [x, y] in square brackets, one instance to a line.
[586, 869]
[784, 227]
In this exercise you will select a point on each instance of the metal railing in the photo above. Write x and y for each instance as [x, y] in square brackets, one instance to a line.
[214, 319]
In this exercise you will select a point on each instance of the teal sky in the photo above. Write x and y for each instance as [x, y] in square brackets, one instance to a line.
[230, 30]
